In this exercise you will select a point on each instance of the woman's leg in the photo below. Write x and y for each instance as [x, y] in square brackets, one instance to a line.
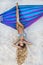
[17, 13]
[17, 18]
[19, 25]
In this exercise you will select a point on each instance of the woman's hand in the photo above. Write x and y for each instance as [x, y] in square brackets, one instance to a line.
[26, 42]
[16, 46]
[29, 43]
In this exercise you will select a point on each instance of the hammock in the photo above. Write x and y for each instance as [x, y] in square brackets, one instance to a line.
[28, 15]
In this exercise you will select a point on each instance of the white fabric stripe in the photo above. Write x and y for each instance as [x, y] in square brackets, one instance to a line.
[1, 19]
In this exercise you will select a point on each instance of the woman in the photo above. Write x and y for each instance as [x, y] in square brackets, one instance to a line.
[20, 29]
[21, 42]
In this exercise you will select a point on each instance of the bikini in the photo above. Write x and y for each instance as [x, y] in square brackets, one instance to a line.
[23, 34]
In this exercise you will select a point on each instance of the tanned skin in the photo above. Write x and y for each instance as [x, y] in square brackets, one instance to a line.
[20, 29]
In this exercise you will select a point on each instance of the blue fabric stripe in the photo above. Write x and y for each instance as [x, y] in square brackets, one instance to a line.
[31, 14]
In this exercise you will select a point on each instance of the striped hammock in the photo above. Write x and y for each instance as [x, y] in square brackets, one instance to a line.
[28, 15]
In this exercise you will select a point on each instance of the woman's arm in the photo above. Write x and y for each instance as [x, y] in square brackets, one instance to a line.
[15, 44]
[26, 42]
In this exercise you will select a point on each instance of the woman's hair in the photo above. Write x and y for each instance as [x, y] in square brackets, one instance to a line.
[21, 54]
